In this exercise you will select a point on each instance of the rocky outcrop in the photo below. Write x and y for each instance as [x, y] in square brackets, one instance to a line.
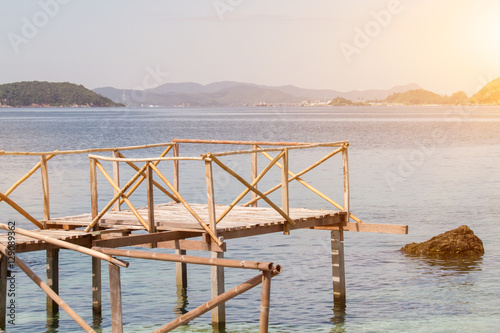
[454, 244]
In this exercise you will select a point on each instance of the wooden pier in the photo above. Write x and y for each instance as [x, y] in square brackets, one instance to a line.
[174, 223]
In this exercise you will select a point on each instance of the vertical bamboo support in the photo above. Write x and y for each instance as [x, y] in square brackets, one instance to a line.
[116, 177]
[181, 272]
[216, 273]
[45, 187]
[151, 203]
[338, 267]
[93, 188]
[52, 264]
[284, 190]
[210, 196]
[345, 163]
[337, 239]
[115, 292]
[176, 167]
[52, 256]
[96, 263]
[217, 280]
[180, 267]
[265, 300]
[3, 290]
[254, 174]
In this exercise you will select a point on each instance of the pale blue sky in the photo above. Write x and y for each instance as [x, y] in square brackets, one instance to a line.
[444, 45]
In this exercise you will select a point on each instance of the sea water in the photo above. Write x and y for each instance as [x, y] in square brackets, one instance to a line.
[431, 168]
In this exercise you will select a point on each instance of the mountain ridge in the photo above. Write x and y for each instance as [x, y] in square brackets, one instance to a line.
[227, 93]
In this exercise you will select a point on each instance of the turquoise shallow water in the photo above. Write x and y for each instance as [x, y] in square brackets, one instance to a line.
[433, 168]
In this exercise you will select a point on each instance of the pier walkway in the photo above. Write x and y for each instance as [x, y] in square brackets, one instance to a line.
[173, 222]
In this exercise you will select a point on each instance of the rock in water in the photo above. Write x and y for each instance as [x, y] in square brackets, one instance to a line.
[454, 244]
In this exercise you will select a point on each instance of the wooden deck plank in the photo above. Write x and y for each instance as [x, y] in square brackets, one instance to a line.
[175, 224]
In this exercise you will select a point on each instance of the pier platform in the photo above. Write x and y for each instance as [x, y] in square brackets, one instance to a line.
[114, 222]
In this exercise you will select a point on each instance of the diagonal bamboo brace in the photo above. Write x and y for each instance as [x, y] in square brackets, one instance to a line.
[116, 197]
[26, 176]
[222, 298]
[143, 177]
[125, 197]
[252, 188]
[39, 282]
[255, 181]
[188, 207]
[309, 168]
[312, 188]
[20, 210]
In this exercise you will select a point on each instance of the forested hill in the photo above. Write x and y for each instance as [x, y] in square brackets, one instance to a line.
[46, 94]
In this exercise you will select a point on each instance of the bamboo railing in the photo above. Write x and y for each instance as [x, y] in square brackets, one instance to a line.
[144, 171]
[43, 166]
[146, 168]
[150, 167]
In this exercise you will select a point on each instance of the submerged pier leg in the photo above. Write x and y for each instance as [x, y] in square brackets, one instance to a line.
[52, 280]
[181, 272]
[217, 277]
[115, 291]
[338, 268]
[3, 290]
[96, 287]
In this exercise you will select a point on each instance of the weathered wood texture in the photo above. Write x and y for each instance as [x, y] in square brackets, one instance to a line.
[115, 290]
[52, 280]
[338, 267]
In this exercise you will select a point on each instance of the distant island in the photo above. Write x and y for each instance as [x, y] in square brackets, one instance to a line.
[425, 97]
[50, 94]
[489, 95]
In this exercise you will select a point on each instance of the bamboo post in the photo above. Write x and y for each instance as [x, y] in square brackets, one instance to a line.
[52, 260]
[337, 239]
[52, 255]
[115, 292]
[254, 173]
[39, 282]
[345, 164]
[176, 167]
[96, 263]
[181, 272]
[338, 267]
[45, 187]
[116, 177]
[265, 300]
[216, 273]
[284, 190]
[151, 203]
[3, 290]
[180, 267]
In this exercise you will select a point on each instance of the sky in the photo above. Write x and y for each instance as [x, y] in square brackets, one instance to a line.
[444, 46]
